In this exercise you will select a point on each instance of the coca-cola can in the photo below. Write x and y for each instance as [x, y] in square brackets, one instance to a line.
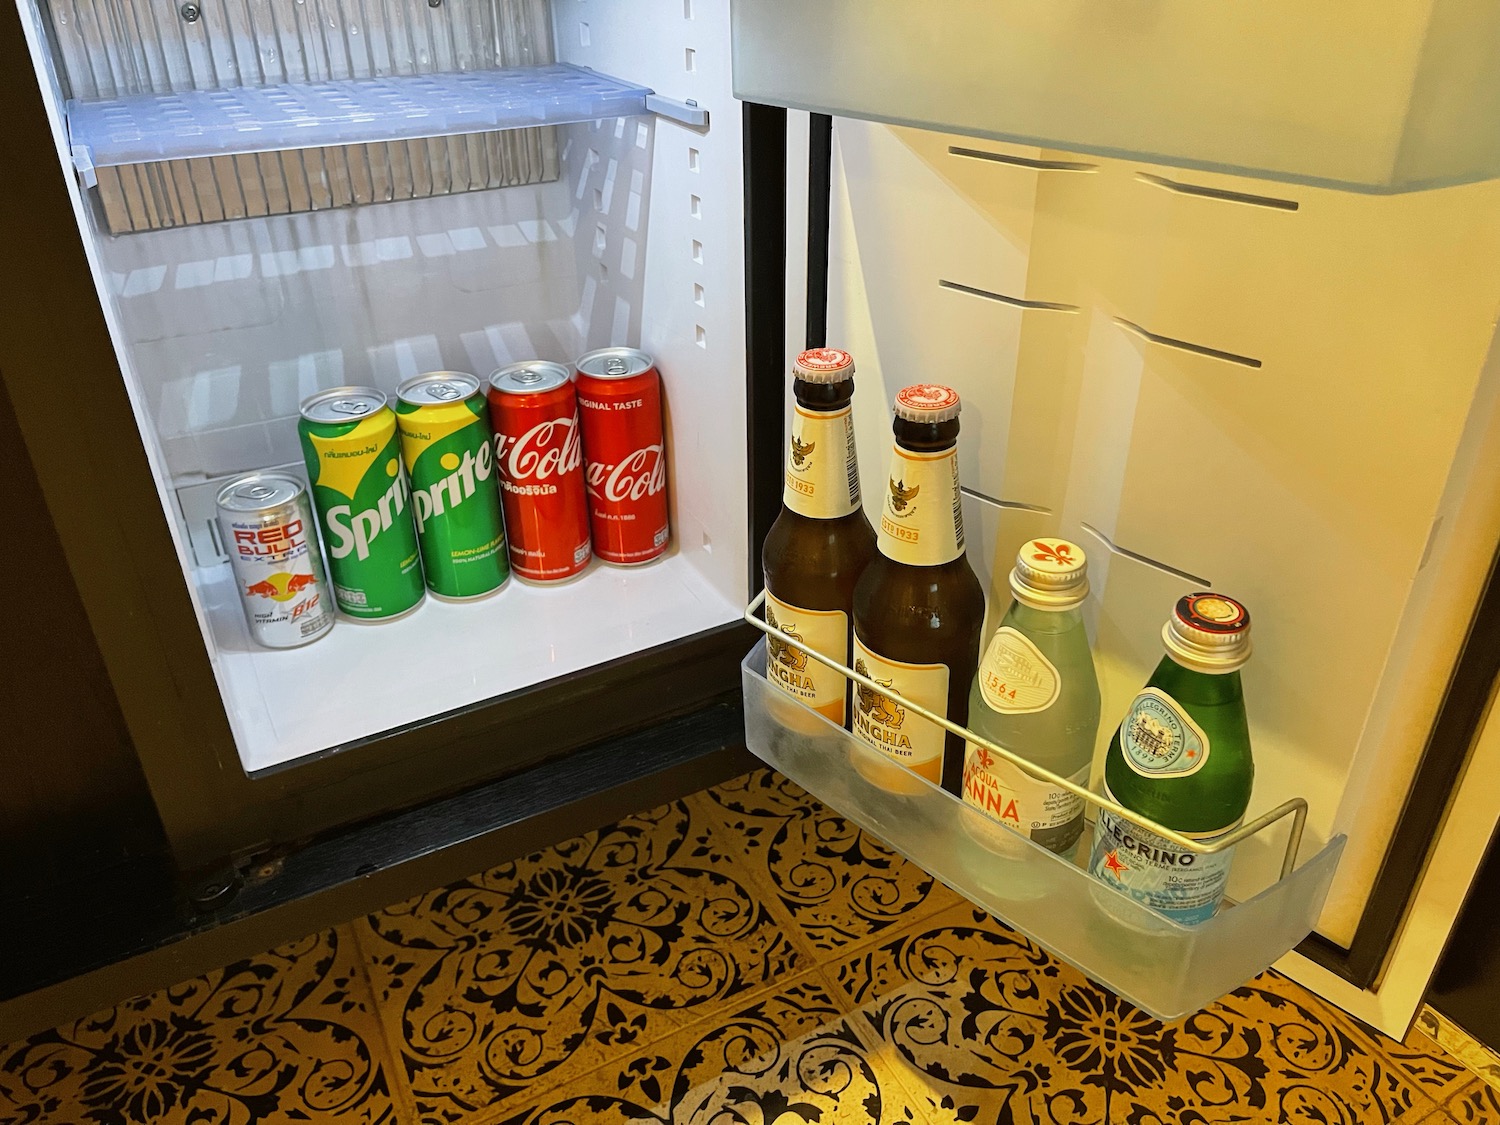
[624, 454]
[539, 463]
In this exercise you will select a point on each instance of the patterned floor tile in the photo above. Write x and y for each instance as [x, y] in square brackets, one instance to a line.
[789, 1058]
[288, 1036]
[1476, 1103]
[989, 1023]
[540, 970]
[836, 884]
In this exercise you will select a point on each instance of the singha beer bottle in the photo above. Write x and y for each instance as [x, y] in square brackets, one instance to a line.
[1037, 695]
[821, 542]
[1182, 758]
[918, 608]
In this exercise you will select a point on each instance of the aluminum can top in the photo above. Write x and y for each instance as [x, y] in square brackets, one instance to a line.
[259, 492]
[529, 378]
[614, 363]
[438, 388]
[342, 404]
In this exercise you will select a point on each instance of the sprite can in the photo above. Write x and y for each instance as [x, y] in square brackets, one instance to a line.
[363, 502]
[445, 442]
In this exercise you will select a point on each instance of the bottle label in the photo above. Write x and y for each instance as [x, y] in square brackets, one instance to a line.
[1160, 739]
[1183, 885]
[1050, 816]
[886, 725]
[822, 472]
[798, 674]
[1015, 678]
[921, 516]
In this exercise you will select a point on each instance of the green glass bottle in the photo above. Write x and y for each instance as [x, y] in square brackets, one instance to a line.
[1037, 695]
[1181, 757]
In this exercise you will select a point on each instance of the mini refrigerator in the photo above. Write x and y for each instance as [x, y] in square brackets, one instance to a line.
[1217, 286]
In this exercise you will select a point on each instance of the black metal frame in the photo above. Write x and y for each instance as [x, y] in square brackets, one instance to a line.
[73, 411]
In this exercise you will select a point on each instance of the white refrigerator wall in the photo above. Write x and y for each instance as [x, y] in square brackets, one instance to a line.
[1206, 381]
[223, 328]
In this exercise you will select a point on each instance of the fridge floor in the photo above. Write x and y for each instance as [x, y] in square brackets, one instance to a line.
[739, 956]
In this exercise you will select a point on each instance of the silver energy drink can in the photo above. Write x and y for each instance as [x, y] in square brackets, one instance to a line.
[272, 542]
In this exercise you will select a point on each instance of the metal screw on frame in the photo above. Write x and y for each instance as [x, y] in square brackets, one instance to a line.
[190, 12]
[434, 3]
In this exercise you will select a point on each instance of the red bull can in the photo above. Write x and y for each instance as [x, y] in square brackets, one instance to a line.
[272, 542]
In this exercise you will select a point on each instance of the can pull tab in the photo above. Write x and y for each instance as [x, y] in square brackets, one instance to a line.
[350, 406]
[529, 377]
[615, 367]
[260, 492]
[444, 391]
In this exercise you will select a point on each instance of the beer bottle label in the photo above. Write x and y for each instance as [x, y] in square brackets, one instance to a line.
[921, 516]
[798, 674]
[1015, 678]
[1160, 739]
[886, 725]
[822, 473]
[1183, 885]
[1037, 809]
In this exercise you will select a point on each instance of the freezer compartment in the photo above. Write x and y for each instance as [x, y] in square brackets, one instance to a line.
[1336, 93]
[1169, 970]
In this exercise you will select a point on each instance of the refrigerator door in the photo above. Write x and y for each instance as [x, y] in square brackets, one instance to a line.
[1287, 393]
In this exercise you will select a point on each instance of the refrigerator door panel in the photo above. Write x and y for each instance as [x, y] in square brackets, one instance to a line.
[1284, 393]
[1338, 95]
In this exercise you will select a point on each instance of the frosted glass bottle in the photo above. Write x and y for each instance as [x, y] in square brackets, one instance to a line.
[1036, 693]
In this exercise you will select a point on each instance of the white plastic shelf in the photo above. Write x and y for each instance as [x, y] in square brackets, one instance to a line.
[1161, 966]
[363, 679]
[141, 128]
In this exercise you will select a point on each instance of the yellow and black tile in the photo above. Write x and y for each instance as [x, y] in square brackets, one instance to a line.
[288, 1036]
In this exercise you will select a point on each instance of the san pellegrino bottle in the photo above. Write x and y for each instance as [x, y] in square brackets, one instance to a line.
[918, 607]
[1037, 695]
[1181, 757]
[821, 542]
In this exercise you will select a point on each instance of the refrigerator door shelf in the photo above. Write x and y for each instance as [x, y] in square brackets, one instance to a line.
[1165, 968]
[141, 128]
[1331, 94]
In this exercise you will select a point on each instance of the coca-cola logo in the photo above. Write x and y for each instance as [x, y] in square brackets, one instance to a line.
[548, 449]
[642, 473]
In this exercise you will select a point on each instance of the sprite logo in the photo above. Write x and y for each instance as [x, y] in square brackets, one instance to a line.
[352, 532]
[449, 492]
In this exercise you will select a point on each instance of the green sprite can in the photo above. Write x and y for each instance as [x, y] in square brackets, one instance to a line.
[445, 442]
[363, 502]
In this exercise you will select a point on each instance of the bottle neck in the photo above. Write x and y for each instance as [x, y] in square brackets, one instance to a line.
[822, 472]
[921, 515]
[1191, 686]
[1032, 619]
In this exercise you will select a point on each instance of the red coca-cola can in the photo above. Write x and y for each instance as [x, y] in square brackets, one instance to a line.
[539, 465]
[624, 454]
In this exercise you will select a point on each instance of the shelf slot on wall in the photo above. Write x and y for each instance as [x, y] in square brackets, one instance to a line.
[143, 128]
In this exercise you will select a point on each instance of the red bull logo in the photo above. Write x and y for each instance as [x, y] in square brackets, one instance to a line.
[280, 587]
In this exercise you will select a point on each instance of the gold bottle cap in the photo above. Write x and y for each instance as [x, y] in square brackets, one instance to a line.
[1208, 632]
[824, 365]
[927, 402]
[1050, 574]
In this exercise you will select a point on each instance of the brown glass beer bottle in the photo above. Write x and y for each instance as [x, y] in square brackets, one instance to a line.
[821, 542]
[918, 608]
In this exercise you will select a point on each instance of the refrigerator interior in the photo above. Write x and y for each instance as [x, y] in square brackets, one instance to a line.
[631, 234]
[1279, 391]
